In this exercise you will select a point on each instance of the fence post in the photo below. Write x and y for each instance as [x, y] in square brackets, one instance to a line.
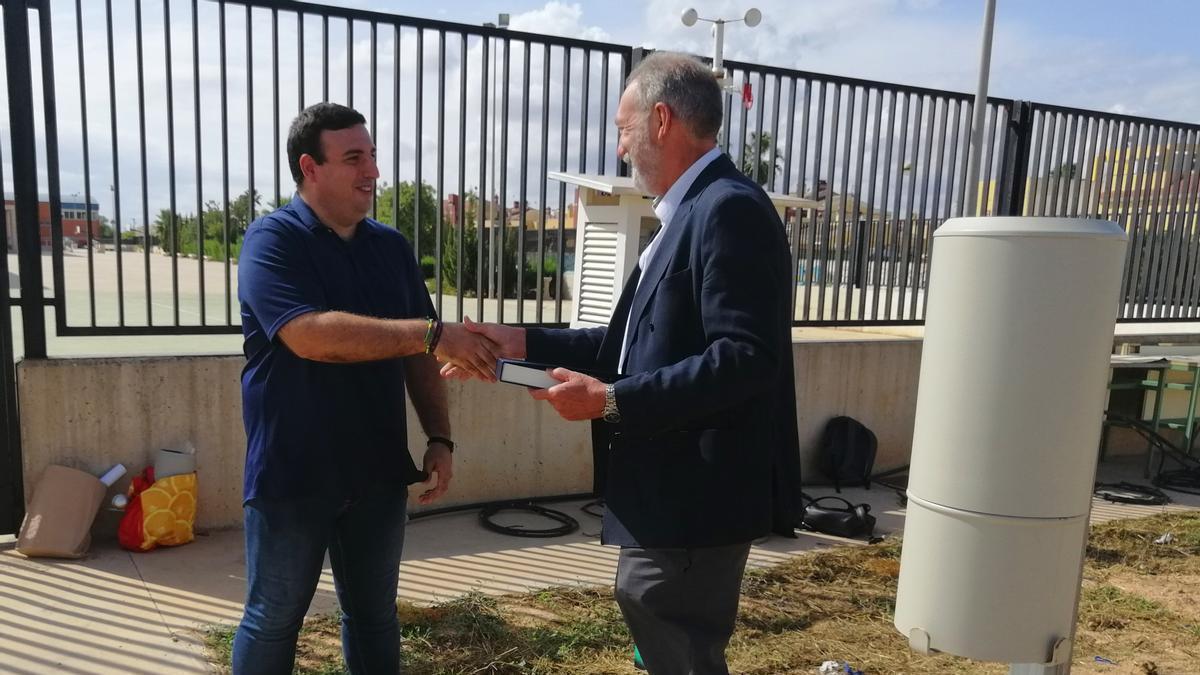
[1014, 163]
[632, 58]
[24, 174]
[24, 166]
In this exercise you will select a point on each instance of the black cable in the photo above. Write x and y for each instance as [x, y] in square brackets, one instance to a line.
[1131, 493]
[427, 513]
[594, 508]
[567, 526]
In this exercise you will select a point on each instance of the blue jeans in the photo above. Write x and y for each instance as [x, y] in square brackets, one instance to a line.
[286, 541]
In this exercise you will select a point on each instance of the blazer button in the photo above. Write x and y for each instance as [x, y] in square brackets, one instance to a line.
[651, 328]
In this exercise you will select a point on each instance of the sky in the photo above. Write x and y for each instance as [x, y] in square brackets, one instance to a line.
[1131, 58]
[1139, 58]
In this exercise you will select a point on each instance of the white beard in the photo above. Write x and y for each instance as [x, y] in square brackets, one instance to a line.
[639, 180]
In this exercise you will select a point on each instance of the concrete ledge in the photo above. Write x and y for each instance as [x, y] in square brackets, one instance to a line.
[93, 412]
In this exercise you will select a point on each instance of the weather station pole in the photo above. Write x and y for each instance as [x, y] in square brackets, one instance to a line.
[752, 18]
[979, 112]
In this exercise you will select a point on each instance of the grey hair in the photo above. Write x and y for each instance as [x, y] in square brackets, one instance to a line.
[685, 85]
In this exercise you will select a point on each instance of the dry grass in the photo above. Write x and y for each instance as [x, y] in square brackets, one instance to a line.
[1137, 609]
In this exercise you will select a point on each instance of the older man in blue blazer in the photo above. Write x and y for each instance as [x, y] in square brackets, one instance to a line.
[699, 432]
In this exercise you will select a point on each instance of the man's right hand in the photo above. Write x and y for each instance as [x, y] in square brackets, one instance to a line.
[508, 343]
[469, 351]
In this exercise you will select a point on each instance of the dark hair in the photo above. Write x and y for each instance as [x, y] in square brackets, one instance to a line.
[304, 136]
[686, 85]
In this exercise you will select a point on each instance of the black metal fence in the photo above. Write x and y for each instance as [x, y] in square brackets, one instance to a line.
[179, 129]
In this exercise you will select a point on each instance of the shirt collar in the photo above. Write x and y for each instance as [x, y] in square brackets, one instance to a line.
[666, 205]
[309, 218]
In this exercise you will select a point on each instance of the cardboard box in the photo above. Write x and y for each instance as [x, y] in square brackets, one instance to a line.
[59, 517]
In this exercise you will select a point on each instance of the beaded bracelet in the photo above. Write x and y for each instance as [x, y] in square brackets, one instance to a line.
[437, 336]
[429, 333]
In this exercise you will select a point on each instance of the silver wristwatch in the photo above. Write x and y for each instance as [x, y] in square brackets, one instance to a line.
[611, 414]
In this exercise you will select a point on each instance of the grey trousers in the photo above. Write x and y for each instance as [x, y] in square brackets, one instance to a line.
[680, 605]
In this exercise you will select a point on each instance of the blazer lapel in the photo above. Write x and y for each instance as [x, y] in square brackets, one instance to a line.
[653, 274]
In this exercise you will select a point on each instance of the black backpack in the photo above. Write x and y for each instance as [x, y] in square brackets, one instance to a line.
[847, 452]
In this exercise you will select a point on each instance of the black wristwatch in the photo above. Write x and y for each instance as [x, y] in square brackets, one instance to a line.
[441, 439]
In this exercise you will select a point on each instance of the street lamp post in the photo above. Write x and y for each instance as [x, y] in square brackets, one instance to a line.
[502, 21]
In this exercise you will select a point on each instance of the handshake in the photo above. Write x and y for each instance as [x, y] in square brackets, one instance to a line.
[469, 350]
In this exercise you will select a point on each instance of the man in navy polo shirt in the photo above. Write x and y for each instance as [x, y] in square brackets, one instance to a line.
[337, 322]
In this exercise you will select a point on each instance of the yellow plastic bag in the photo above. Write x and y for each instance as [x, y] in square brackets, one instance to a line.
[159, 513]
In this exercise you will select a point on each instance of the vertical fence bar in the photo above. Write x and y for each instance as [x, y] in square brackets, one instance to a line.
[802, 215]
[934, 214]
[299, 61]
[274, 101]
[883, 245]
[774, 150]
[854, 285]
[1137, 221]
[225, 160]
[894, 256]
[18, 58]
[1168, 281]
[921, 219]
[583, 110]
[350, 63]
[601, 155]
[1186, 225]
[461, 210]
[87, 171]
[503, 169]
[841, 230]
[913, 214]
[375, 107]
[955, 118]
[418, 145]
[1041, 176]
[50, 117]
[541, 239]
[809, 272]
[523, 189]
[1191, 278]
[562, 187]
[199, 167]
[252, 193]
[791, 142]
[116, 165]
[1130, 133]
[440, 180]
[324, 57]
[481, 199]
[967, 207]
[173, 221]
[396, 132]
[1156, 223]
[758, 128]
[141, 98]
[989, 197]
[12, 481]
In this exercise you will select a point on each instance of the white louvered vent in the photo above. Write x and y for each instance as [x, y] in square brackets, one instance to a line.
[597, 272]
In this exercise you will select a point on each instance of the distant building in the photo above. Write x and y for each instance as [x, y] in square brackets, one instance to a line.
[78, 220]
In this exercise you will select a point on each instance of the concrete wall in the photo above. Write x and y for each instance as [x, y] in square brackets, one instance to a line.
[91, 413]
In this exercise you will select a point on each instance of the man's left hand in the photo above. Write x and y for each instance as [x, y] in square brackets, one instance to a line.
[440, 461]
[579, 397]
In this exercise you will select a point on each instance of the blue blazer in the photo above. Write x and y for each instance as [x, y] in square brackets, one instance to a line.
[707, 450]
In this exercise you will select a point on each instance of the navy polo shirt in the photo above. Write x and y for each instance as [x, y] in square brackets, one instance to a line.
[323, 428]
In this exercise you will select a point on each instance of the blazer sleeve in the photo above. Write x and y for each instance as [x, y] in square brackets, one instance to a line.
[571, 348]
[738, 307]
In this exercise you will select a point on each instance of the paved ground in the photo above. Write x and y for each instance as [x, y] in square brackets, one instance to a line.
[119, 612]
